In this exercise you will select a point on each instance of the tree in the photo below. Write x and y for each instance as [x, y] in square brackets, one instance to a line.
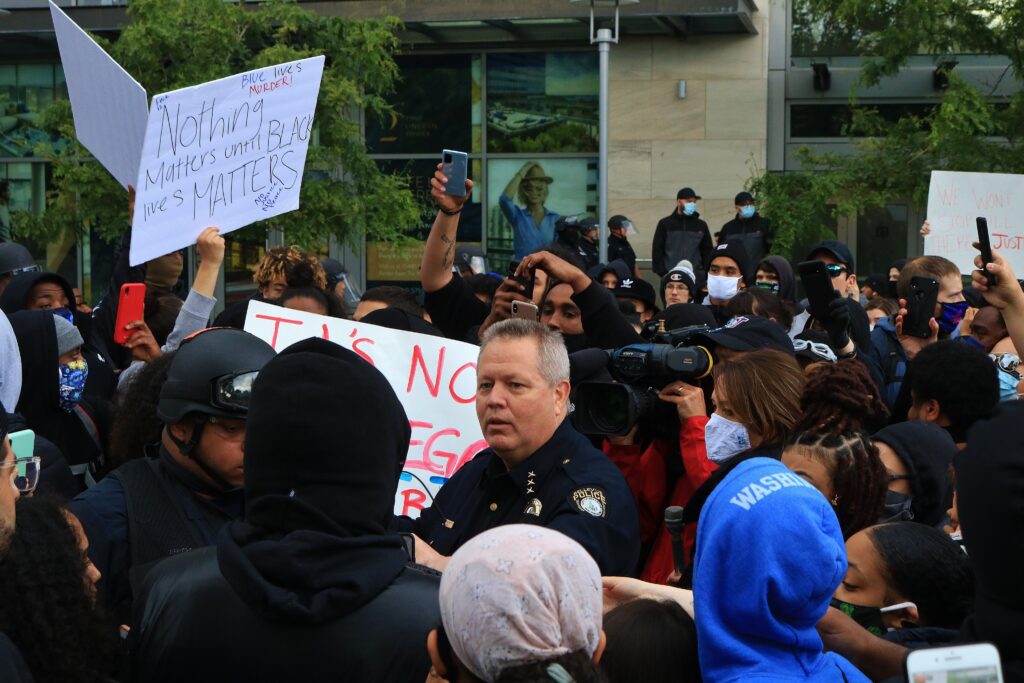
[171, 44]
[967, 130]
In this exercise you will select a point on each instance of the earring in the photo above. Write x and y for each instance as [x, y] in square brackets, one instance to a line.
[835, 500]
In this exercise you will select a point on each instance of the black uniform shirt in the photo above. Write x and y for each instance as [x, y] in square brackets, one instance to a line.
[566, 485]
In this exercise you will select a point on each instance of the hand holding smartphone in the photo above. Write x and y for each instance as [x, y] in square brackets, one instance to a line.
[130, 307]
[985, 247]
[818, 286]
[921, 300]
[977, 663]
[455, 167]
[525, 280]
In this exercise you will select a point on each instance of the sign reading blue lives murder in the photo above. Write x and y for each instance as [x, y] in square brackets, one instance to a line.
[227, 154]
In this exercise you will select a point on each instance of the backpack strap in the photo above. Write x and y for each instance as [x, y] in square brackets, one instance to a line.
[88, 470]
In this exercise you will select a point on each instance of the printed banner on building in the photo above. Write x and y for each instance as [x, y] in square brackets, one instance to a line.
[956, 200]
[226, 153]
[434, 378]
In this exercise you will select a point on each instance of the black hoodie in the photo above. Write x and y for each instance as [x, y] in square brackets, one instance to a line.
[926, 450]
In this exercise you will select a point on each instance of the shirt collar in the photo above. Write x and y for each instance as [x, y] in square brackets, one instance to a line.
[528, 475]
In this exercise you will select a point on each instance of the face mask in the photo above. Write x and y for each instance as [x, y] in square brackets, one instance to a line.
[722, 288]
[690, 208]
[64, 313]
[869, 617]
[747, 211]
[951, 316]
[72, 383]
[1007, 385]
[724, 438]
[897, 507]
[770, 287]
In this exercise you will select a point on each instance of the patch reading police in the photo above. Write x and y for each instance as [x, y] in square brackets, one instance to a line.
[590, 499]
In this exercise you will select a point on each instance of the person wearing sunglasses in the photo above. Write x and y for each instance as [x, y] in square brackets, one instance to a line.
[189, 485]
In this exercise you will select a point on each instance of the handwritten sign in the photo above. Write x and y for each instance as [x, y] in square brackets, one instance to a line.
[955, 200]
[109, 106]
[226, 153]
[434, 378]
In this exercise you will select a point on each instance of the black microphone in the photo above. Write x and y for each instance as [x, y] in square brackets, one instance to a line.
[674, 525]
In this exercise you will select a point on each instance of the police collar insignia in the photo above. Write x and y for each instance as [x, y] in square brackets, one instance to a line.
[591, 500]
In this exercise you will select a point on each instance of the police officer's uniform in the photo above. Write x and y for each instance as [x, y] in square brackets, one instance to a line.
[566, 485]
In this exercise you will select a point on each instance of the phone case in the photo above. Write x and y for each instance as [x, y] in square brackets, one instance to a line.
[23, 443]
[454, 165]
[818, 286]
[130, 307]
[985, 247]
[924, 292]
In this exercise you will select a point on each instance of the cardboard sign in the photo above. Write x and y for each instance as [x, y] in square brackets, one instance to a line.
[955, 200]
[433, 377]
[109, 106]
[226, 153]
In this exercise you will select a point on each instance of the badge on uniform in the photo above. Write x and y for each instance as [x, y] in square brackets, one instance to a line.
[590, 499]
[533, 508]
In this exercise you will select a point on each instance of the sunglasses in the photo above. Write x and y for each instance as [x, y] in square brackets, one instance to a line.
[1007, 362]
[835, 270]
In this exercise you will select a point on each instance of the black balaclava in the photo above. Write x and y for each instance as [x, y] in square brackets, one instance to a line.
[926, 451]
[990, 505]
[325, 443]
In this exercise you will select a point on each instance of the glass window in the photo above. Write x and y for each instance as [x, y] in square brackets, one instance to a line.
[437, 106]
[830, 120]
[244, 249]
[525, 198]
[881, 238]
[542, 102]
[25, 91]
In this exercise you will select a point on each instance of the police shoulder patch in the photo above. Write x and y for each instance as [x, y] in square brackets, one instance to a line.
[590, 499]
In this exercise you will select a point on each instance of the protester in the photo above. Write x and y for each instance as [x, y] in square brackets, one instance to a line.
[537, 467]
[519, 603]
[14, 260]
[188, 485]
[280, 268]
[12, 664]
[10, 364]
[743, 334]
[774, 274]
[680, 236]
[312, 300]
[399, 319]
[611, 274]
[757, 597]
[136, 424]
[679, 285]
[875, 286]
[640, 294]
[917, 457]
[650, 640]
[748, 228]
[951, 306]
[758, 303]
[484, 286]
[311, 580]
[387, 296]
[619, 248]
[880, 307]
[987, 328]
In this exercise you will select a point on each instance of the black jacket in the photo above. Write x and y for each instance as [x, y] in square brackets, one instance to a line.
[620, 248]
[191, 625]
[755, 233]
[679, 237]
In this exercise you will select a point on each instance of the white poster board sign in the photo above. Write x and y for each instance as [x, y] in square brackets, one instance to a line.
[956, 199]
[109, 106]
[434, 378]
[226, 153]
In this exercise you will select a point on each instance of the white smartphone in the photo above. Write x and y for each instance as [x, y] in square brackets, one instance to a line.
[962, 664]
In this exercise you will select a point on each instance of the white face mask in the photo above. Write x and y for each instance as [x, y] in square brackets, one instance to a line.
[722, 288]
[724, 438]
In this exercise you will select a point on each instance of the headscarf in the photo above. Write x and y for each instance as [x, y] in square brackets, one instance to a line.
[519, 594]
[10, 364]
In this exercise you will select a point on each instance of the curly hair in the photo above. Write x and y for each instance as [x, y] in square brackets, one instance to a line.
[841, 397]
[928, 568]
[296, 267]
[859, 478]
[135, 422]
[47, 609]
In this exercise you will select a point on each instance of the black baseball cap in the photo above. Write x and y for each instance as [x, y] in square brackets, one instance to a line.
[839, 251]
[635, 288]
[743, 198]
[749, 333]
[687, 193]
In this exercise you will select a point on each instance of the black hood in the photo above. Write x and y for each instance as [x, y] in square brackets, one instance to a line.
[13, 298]
[787, 281]
[397, 319]
[926, 451]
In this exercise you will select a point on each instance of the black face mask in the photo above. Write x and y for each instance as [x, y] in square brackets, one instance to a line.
[897, 507]
[868, 617]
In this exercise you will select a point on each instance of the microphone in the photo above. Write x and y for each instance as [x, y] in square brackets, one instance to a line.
[674, 526]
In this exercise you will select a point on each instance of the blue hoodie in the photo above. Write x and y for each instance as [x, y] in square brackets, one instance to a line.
[769, 556]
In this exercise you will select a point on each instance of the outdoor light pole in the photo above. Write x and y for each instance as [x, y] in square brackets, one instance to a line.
[604, 38]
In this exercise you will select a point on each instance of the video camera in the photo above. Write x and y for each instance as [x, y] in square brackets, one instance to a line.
[640, 371]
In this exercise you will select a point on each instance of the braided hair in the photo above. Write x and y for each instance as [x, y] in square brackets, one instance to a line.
[841, 397]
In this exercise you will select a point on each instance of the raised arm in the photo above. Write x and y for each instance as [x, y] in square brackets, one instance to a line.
[1006, 295]
[439, 251]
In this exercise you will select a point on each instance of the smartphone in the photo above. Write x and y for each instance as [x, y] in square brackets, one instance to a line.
[455, 167]
[818, 286]
[525, 310]
[129, 309]
[974, 663]
[525, 280]
[985, 247]
[23, 443]
[924, 292]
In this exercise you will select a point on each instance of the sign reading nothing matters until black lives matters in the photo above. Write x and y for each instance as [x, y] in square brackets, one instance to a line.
[227, 153]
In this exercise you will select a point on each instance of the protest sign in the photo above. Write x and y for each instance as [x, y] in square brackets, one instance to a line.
[955, 200]
[434, 378]
[109, 106]
[226, 153]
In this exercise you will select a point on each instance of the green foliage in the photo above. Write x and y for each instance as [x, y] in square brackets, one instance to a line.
[968, 130]
[171, 44]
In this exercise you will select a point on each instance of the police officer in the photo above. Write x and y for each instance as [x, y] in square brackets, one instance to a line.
[538, 469]
[188, 486]
[579, 233]
[619, 228]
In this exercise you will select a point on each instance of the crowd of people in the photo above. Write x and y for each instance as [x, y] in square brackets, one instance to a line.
[702, 483]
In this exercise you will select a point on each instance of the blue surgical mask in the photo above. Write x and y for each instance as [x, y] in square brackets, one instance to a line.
[747, 211]
[1007, 385]
[690, 208]
[951, 316]
[72, 383]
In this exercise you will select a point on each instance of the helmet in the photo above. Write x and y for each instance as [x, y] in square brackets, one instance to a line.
[16, 259]
[470, 257]
[212, 373]
[334, 270]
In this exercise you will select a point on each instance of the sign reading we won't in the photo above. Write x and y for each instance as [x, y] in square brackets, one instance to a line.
[226, 153]
[433, 377]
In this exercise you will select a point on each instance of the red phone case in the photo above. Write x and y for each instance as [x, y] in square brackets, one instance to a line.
[130, 307]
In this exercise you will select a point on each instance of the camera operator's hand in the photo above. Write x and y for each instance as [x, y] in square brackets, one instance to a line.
[557, 268]
[838, 324]
[688, 399]
[501, 305]
[912, 345]
[442, 198]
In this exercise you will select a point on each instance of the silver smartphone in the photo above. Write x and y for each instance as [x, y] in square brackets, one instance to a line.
[527, 311]
[455, 167]
[961, 664]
